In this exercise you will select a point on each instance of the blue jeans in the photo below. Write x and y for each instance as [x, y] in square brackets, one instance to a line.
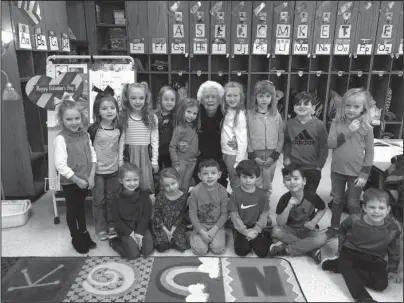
[105, 188]
[338, 183]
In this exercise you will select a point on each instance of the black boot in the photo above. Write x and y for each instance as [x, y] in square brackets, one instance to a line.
[87, 241]
[78, 244]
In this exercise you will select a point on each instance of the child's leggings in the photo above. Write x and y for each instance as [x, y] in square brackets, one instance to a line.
[266, 173]
[338, 184]
[75, 213]
[229, 160]
[186, 171]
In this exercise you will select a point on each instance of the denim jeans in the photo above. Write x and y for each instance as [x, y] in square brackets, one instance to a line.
[338, 184]
[105, 188]
[300, 240]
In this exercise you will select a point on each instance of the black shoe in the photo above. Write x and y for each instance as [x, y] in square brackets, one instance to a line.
[316, 255]
[277, 249]
[78, 244]
[88, 242]
[365, 300]
[330, 265]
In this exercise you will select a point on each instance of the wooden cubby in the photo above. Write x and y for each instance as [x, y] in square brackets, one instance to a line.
[24, 172]
[291, 73]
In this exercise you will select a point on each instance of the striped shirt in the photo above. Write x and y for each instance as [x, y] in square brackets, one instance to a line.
[138, 133]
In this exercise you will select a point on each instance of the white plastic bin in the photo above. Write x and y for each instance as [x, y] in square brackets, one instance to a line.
[15, 212]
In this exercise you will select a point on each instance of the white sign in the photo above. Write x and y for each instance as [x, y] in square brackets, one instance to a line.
[200, 30]
[302, 31]
[178, 48]
[261, 31]
[323, 49]
[200, 48]
[300, 49]
[24, 37]
[220, 31]
[65, 44]
[364, 49]
[260, 48]
[344, 31]
[219, 48]
[387, 31]
[241, 31]
[341, 49]
[282, 30]
[241, 49]
[384, 49]
[282, 46]
[54, 43]
[325, 31]
[159, 48]
[178, 30]
[40, 41]
[136, 48]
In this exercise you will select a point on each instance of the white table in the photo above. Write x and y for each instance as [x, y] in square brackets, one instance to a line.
[385, 150]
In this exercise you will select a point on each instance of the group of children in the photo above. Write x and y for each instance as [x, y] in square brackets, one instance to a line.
[123, 150]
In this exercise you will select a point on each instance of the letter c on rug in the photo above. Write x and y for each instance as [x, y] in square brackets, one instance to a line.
[108, 279]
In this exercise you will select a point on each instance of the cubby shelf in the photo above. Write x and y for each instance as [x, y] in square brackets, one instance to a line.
[323, 74]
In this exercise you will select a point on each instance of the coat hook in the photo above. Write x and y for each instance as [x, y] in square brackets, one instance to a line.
[232, 56]
[273, 55]
[220, 73]
[340, 73]
[308, 55]
[300, 73]
[314, 56]
[355, 56]
[180, 73]
[400, 73]
[227, 55]
[199, 73]
[186, 55]
[381, 73]
[191, 55]
[360, 73]
[239, 74]
[268, 55]
[318, 73]
[278, 73]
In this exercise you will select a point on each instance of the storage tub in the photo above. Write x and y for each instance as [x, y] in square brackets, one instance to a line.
[15, 212]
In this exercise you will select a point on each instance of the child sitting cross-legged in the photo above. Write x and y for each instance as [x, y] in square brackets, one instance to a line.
[248, 208]
[296, 218]
[364, 239]
[208, 210]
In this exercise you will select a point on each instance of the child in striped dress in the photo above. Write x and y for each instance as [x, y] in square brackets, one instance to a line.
[140, 142]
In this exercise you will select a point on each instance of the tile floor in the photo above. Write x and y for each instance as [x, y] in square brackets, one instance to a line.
[41, 237]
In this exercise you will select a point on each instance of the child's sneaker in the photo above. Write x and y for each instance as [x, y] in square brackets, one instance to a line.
[78, 244]
[87, 241]
[330, 265]
[277, 249]
[112, 233]
[316, 255]
[331, 233]
[102, 236]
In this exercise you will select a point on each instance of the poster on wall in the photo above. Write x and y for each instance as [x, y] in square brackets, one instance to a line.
[112, 75]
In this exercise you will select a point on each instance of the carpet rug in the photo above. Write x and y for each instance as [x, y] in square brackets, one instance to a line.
[149, 279]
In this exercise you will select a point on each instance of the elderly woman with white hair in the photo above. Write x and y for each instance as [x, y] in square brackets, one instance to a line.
[209, 96]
